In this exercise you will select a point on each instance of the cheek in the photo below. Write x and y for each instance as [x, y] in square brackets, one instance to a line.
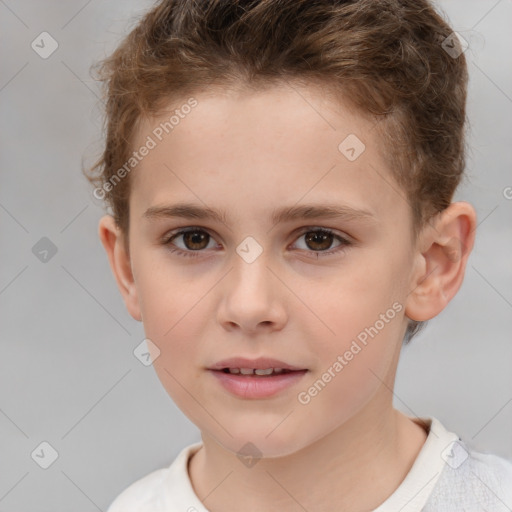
[173, 312]
[364, 313]
[167, 323]
[166, 296]
[351, 371]
[356, 300]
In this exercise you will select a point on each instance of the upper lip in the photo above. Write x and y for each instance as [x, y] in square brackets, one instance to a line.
[261, 363]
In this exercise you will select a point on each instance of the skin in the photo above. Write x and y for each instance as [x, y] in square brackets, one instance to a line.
[249, 152]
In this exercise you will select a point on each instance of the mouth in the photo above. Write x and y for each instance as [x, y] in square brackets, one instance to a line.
[258, 378]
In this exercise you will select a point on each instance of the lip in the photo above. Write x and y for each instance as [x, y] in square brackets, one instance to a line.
[255, 386]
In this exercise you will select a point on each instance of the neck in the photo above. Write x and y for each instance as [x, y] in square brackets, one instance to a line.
[357, 466]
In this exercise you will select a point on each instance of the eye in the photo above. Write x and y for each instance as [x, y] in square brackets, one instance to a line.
[195, 240]
[318, 240]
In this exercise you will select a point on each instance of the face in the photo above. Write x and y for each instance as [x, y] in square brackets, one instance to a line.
[321, 293]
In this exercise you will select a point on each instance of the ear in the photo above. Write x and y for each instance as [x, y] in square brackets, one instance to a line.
[442, 252]
[113, 241]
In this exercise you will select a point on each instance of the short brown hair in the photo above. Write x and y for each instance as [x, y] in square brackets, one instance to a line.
[385, 57]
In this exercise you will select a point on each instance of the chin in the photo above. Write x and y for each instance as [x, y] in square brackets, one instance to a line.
[251, 440]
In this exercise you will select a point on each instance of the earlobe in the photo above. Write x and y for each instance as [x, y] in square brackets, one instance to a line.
[113, 241]
[444, 248]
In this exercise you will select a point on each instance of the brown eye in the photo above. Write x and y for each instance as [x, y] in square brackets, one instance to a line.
[195, 240]
[319, 240]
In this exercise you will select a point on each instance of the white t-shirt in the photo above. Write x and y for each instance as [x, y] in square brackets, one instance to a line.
[445, 477]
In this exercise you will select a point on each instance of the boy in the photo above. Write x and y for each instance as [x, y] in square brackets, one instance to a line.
[280, 175]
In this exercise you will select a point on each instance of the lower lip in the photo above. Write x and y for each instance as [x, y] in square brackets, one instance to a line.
[251, 386]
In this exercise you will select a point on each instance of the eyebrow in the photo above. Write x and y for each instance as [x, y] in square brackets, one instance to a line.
[285, 214]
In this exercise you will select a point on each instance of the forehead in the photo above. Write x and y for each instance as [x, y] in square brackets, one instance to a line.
[255, 149]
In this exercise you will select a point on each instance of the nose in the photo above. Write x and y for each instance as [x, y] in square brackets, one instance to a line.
[253, 298]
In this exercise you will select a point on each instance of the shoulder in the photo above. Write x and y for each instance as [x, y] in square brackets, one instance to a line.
[473, 479]
[160, 491]
[490, 463]
[141, 493]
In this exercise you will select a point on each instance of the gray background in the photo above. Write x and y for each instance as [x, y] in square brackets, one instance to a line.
[68, 375]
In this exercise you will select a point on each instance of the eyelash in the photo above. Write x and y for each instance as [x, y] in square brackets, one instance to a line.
[194, 254]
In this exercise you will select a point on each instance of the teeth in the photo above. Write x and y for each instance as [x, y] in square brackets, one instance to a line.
[264, 372]
[251, 371]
